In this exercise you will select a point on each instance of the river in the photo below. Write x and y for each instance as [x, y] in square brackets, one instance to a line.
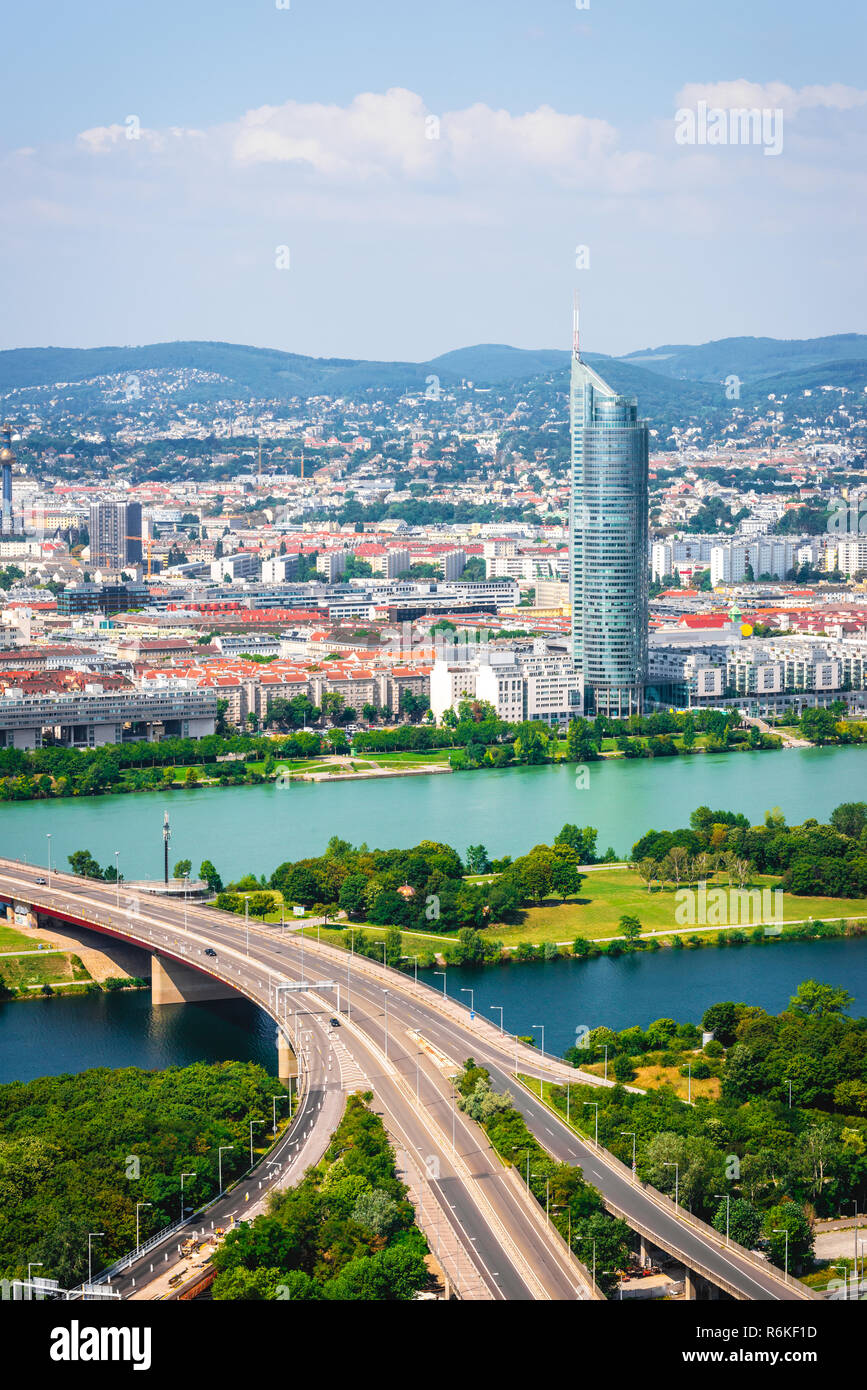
[47, 1037]
[253, 829]
[51, 1036]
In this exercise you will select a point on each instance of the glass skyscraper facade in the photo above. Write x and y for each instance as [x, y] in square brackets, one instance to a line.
[609, 548]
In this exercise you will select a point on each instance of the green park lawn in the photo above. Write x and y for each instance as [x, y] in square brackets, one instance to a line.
[607, 895]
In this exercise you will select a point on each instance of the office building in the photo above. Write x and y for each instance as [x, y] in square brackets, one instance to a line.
[608, 533]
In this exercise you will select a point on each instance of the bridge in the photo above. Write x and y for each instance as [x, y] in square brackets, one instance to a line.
[404, 1041]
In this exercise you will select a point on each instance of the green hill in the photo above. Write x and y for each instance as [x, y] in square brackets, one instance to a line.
[750, 358]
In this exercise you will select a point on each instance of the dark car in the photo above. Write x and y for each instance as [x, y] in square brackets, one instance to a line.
[40, 880]
[335, 1023]
[209, 951]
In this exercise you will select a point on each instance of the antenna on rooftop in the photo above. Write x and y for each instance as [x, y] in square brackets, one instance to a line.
[576, 343]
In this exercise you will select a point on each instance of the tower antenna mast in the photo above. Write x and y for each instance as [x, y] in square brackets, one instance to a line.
[576, 340]
[167, 835]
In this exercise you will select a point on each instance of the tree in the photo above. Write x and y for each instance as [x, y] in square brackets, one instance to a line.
[477, 860]
[792, 1218]
[815, 1000]
[565, 878]
[624, 1069]
[819, 725]
[744, 1222]
[84, 865]
[351, 897]
[850, 818]
[183, 868]
[722, 1021]
[209, 875]
[630, 927]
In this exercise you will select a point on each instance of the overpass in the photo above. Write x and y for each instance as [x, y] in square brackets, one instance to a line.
[404, 1041]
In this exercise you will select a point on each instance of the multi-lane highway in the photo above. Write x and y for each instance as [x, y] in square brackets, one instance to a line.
[404, 1041]
[493, 1240]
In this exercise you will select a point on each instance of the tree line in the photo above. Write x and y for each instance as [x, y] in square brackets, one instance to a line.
[781, 1164]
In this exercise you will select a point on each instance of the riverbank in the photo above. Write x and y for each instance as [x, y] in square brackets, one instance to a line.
[44, 960]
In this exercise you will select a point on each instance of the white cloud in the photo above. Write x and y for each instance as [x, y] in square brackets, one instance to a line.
[393, 136]
[835, 97]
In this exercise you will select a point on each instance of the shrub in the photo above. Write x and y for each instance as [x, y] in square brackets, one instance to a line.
[623, 1068]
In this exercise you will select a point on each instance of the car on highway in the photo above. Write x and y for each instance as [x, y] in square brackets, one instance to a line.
[335, 1022]
[40, 880]
[209, 951]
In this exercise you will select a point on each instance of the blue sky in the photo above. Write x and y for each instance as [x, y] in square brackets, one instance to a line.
[309, 128]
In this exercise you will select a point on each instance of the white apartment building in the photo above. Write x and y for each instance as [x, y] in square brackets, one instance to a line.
[520, 685]
[768, 555]
[243, 565]
[851, 556]
[330, 564]
[667, 556]
[770, 676]
[279, 569]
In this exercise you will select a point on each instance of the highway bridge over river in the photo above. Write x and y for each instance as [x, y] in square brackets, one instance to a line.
[404, 1041]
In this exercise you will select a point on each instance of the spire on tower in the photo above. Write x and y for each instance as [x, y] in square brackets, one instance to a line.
[576, 346]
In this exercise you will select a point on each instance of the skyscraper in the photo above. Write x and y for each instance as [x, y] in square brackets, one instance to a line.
[115, 534]
[608, 542]
[7, 458]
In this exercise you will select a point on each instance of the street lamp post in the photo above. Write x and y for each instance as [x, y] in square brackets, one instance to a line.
[499, 1008]
[252, 1123]
[472, 995]
[274, 1100]
[676, 1167]
[247, 924]
[184, 1175]
[541, 1069]
[630, 1134]
[595, 1105]
[117, 876]
[48, 838]
[443, 973]
[138, 1207]
[92, 1235]
[728, 1202]
[223, 1148]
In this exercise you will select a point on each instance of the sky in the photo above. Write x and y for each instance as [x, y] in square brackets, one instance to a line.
[396, 178]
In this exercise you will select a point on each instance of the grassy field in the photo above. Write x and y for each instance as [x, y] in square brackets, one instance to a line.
[609, 894]
[52, 967]
[651, 1077]
[13, 940]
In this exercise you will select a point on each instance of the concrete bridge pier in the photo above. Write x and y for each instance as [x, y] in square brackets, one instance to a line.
[287, 1062]
[175, 983]
[695, 1287]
